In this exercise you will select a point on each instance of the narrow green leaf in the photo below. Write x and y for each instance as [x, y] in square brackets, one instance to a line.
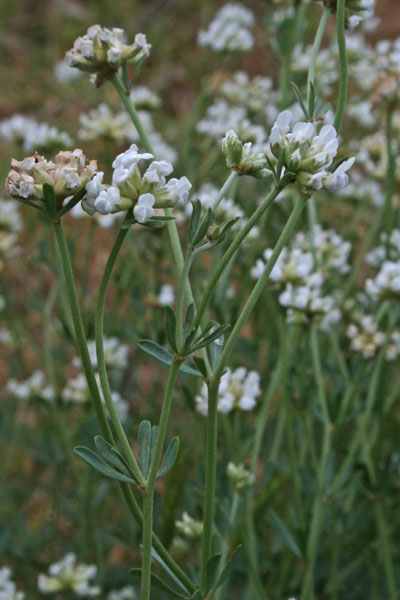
[200, 364]
[212, 571]
[210, 338]
[203, 228]
[77, 197]
[162, 218]
[299, 98]
[144, 441]
[31, 204]
[97, 463]
[165, 357]
[284, 533]
[158, 583]
[194, 221]
[153, 441]
[50, 199]
[170, 327]
[169, 457]
[166, 568]
[153, 224]
[311, 102]
[215, 351]
[111, 455]
[137, 71]
[228, 568]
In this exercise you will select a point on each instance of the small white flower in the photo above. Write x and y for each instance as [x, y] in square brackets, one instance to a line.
[179, 190]
[69, 576]
[107, 200]
[143, 210]
[166, 297]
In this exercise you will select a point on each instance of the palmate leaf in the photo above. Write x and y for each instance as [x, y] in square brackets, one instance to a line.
[98, 463]
[111, 455]
[164, 357]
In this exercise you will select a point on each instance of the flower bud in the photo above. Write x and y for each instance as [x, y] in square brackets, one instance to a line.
[240, 477]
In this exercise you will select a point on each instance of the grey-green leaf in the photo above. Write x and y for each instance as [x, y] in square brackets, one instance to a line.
[284, 533]
[169, 457]
[165, 357]
[97, 463]
[228, 568]
[158, 583]
[170, 327]
[144, 442]
[111, 455]
[212, 571]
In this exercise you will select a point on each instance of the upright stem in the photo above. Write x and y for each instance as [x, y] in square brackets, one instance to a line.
[341, 38]
[390, 177]
[211, 450]
[315, 49]
[94, 393]
[180, 296]
[230, 252]
[80, 331]
[130, 457]
[318, 507]
[148, 496]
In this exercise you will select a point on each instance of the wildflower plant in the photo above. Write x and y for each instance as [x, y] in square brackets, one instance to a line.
[243, 353]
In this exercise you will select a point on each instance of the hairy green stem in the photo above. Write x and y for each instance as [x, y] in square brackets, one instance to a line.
[148, 494]
[341, 39]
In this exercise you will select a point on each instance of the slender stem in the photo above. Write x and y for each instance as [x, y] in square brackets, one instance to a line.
[315, 49]
[94, 392]
[318, 507]
[180, 296]
[390, 177]
[130, 457]
[230, 252]
[79, 330]
[341, 38]
[385, 551]
[148, 498]
[211, 450]
[225, 189]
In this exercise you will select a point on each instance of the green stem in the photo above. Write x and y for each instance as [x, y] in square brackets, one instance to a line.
[225, 189]
[384, 551]
[148, 498]
[230, 252]
[211, 449]
[341, 38]
[130, 457]
[94, 392]
[180, 296]
[390, 177]
[79, 330]
[315, 49]
[318, 508]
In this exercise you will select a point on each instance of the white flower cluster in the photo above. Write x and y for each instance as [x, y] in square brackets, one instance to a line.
[101, 51]
[32, 135]
[332, 252]
[35, 385]
[125, 593]
[386, 284]
[115, 354]
[241, 477]
[8, 589]
[190, 527]
[355, 10]
[131, 188]
[64, 73]
[76, 391]
[144, 98]
[221, 117]
[10, 218]
[105, 221]
[229, 30]
[67, 575]
[365, 337]
[302, 271]
[256, 95]
[66, 175]
[166, 296]
[103, 122]
[307, 302]
[377, 256]
[238, 389]
[308, 154]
